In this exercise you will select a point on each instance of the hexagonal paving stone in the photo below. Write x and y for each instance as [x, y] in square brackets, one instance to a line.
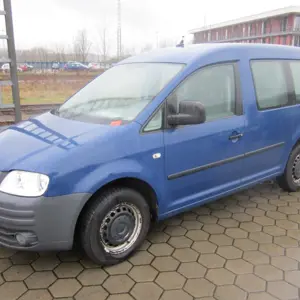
[23, 258]
[221, 239]
[197, 235]
[268, 273]
[68, 270]
[17, 273]
[261, 296]
[202, 210]
[208, 219]
[92, 293]
[69, 256]
[221, 214]
[227, 292]
[192, 270]
[220, 276]
[276, 215]
[175, 295]
[88, 264]
[239, 266]
[6, 253]
[92, 277]
[285, 241]
[286, 224]
[211, 260]
[260, 237]
[65, 288]
[119, 269]
[143, 273]
[164, 264]
[264, 221]
[12, 290]
[229, 252]
[293, 253]
[189, 225]
[146, 290]
[158, 237]
[118, 284]
[175, 230]
[199, 287]
[180, 242]
[170, 280]
[4, 264]
[46, 263]
[161, 249]
[267, 207]
[120, 297]
[204, 247]
[284, 263]
[294, 233]
[189, 215]
[255, 212]
[256, 257]
[251, 226]
[236, 233]
[294, 218]
[40, 280]
[288, 210]
[141, 258]
[293, 277]
[185, 255]
[233, 208]
[228, 223]
[274, 230]
[250, 283]
[36, 295]
[145, 245]
[282, 290]
[213, 228]
[271, 249]
[242, 217]
[245, 244]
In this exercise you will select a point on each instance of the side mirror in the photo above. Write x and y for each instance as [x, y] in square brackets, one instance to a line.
[190, 112]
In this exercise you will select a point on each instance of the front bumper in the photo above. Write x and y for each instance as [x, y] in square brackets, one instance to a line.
[49, 221]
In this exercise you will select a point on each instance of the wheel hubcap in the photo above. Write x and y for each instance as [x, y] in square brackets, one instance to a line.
[120, 228]
[296, 170]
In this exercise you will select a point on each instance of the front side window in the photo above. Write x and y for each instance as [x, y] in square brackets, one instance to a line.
[295, 68]
[120, 93]
[213, 86]
[270, 84]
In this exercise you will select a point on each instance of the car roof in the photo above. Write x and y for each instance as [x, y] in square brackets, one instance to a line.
[194, 52]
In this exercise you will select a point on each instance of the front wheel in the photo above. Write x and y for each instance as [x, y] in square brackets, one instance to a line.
[115, 225]
[290, 179]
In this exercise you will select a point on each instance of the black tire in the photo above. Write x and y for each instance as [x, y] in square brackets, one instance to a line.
[286, 180]
[90, 236]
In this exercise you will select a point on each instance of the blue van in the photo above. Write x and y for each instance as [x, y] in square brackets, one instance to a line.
[155, 135]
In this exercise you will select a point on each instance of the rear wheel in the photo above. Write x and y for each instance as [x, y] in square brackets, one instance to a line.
[115, 225]
[290, 180]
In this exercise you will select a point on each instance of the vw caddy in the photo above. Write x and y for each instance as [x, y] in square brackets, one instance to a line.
[155, 135]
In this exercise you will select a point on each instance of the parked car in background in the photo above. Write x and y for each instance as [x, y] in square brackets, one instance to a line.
[94, 66]
[75, 66]
[26, 67]
[6, 68]
[55, 66]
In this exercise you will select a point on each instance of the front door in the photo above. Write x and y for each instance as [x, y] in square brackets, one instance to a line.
[203, 161]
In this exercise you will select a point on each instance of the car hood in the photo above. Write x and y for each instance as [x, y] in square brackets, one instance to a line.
[40, 142]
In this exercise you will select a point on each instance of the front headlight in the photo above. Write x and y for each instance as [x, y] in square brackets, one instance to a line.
[27, 184]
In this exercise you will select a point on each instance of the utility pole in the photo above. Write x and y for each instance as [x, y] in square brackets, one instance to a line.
[119, 31]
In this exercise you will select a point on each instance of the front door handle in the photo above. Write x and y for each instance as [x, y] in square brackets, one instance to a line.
[236, 136]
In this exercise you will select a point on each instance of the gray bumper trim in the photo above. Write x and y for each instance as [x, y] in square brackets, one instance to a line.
[51, 219]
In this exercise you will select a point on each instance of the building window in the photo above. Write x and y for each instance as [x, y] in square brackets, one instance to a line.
[283, 40]
[297, 23]
[226, 33]
[208, 36]
[283, 24]
[270, 84]
[217, 35]
[249, 29]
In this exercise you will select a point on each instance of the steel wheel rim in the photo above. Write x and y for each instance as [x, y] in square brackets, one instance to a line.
[132, 235]
[296, 170]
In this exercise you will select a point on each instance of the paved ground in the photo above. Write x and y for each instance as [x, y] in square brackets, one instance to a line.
[242, 247]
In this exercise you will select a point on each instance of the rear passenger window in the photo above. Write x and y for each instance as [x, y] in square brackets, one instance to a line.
[295, 68]
[270, 84]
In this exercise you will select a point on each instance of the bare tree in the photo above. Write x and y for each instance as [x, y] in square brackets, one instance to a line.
[103, 46]
[60, 53]
[82, 45]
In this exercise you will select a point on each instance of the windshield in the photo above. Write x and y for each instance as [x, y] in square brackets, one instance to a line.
[120, 93]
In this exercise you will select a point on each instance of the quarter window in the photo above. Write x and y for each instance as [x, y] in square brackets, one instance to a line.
[156, 122]
[270, 84]
[213, 86]
[295, 68]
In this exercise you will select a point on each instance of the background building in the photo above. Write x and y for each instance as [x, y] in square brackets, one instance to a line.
[281, 26]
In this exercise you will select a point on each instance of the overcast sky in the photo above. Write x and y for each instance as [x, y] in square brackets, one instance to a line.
[50, 22]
